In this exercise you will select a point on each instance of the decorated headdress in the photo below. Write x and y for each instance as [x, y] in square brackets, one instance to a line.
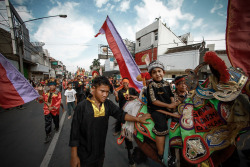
[94, 74]
[217, 66]
[225, 84]
[155, 64]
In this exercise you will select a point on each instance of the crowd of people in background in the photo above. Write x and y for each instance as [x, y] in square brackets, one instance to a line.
[79, 89]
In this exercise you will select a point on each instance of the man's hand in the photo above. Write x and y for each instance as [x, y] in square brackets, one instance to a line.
[75, 161]
[143, 118]
[51, 108]
[40, 98]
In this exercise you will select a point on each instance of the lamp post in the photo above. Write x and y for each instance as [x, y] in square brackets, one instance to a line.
[62, 16]
[21, 27]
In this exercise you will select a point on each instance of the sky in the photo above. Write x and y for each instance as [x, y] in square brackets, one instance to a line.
[71, 40]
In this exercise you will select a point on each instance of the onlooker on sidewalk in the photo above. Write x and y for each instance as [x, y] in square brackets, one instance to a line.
[70, 95]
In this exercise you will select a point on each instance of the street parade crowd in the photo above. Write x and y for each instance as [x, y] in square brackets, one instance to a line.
[158, 117]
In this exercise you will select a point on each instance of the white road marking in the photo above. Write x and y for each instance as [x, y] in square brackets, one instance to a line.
[49, 153]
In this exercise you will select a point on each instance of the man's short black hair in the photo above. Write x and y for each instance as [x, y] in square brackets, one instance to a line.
[100, 80]
[125, 78]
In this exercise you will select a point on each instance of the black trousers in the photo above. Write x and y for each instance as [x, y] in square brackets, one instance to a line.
[128, 143]
[48, 122]
[99, 163]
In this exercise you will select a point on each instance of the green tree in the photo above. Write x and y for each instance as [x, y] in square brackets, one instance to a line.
[96, 63]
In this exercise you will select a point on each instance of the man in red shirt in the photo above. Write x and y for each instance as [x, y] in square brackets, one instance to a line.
[52, 102]
[65, 83]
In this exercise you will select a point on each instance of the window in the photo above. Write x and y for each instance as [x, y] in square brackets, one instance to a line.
[139, 42]
[156, 35]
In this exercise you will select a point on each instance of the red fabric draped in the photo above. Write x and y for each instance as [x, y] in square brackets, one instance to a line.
[238, 34]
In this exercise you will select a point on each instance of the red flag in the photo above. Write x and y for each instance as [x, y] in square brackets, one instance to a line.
[237, 34]
[128, 67]
[15, 89]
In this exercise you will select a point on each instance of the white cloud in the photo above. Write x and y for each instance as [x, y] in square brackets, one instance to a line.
[124, 6]
[109, 7]
[64, 38]
[150, 9]
[52, 1]
[197, 23]
[99, 3]
[212, 37]
[174, 4]
[216, 7]
[185, 27]
[26, 15]
[222, 14]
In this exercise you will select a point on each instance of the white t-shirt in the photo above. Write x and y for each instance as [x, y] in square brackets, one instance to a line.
[70, 94]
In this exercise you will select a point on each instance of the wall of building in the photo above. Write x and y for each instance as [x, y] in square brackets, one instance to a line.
[109, 64]
[176, 63]
[14, 63]
[167, 39]
[224, 57]
[146, 36]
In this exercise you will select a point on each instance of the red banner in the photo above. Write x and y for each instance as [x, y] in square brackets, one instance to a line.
[140, 57]
[238, 34]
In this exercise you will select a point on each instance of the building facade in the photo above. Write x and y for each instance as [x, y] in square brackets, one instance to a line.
[154, 40]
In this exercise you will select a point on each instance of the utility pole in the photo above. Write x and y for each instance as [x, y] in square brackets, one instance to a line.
[152, 52]
[17, 50]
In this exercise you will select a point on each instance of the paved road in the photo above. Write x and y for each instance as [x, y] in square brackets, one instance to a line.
[22, 135]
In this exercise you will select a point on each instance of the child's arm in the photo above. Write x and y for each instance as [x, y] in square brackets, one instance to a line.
[116, 96]
[162, 104]
[172, 99]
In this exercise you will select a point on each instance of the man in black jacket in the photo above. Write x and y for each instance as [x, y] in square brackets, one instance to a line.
[90, 124]
[79, 86]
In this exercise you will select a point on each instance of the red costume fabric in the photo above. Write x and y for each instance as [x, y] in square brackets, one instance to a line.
[55, 102]
[65, 84]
